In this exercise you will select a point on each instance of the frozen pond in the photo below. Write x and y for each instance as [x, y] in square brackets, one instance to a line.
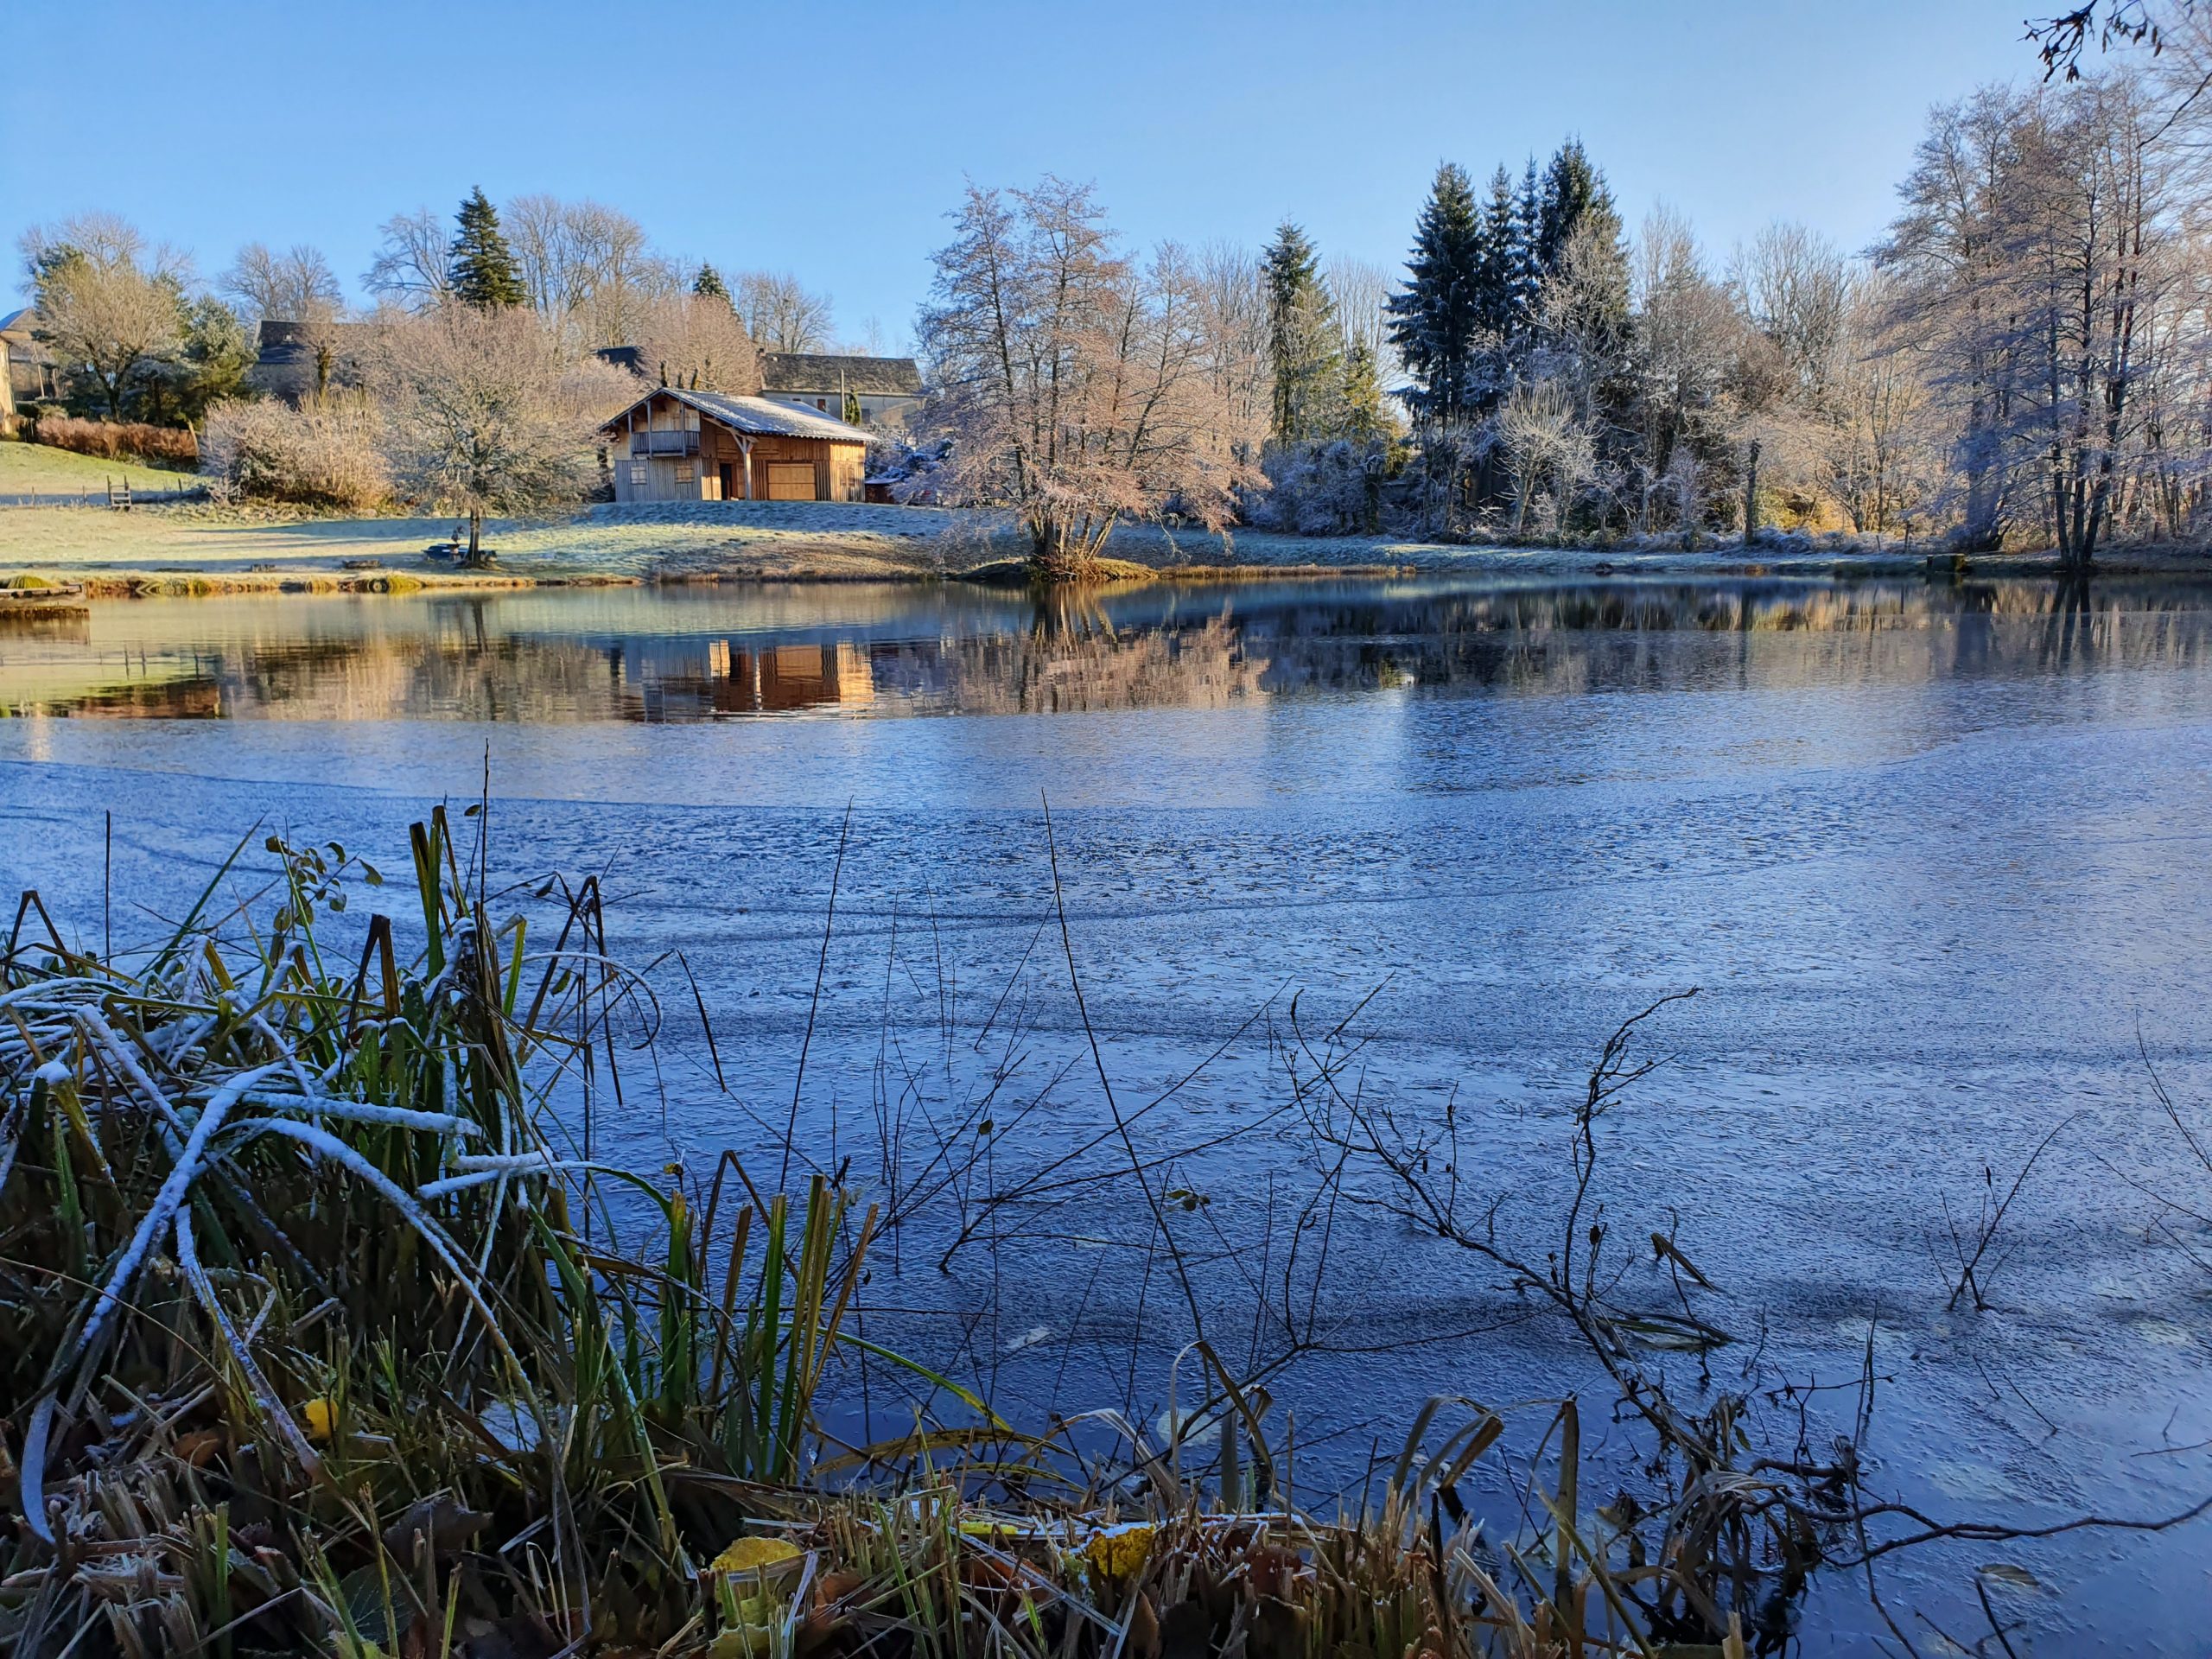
[1933, 856]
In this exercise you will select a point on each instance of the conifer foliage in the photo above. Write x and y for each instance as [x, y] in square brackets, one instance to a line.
[484, 271]
[709, 285]
[1302, 341]
[1436, 319]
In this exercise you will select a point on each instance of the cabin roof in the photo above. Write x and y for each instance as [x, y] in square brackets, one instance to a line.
[19, 321]
[756, 418]
[819, 372]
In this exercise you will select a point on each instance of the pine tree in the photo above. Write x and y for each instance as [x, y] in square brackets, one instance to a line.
[709, 285]
[1571, 187]
[1302, 346]
[1577, 202]
[1500, 231]
[1361, 398]
[1524, 264]
[484, 273]
[1435, 319]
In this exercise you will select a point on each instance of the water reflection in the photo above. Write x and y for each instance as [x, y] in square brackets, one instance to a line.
[704, 654]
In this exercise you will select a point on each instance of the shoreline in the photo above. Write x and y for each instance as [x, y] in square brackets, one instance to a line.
[195, 551]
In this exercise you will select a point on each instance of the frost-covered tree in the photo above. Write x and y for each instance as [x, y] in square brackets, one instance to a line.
[2045, 267]
[483, 265]
[1304, 354]
[1687, 335]
[109, 307]
[1073, 385]
[484, 411]
[1230, 291]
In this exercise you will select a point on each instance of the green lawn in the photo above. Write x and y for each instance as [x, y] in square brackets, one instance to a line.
[34, 468]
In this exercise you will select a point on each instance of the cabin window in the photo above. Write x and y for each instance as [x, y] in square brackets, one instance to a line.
[639, 473]
[686, 473]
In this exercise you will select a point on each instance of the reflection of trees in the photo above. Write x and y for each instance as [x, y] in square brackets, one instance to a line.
[1163, 647]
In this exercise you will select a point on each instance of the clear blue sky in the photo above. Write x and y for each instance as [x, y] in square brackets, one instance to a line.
[830, 138]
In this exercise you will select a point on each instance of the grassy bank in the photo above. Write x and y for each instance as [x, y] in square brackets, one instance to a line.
[40, 469]
[152, 549]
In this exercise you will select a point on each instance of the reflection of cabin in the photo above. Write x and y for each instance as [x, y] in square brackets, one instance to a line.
[673, 445]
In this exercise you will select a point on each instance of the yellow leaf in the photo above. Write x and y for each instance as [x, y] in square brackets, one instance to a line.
[751, 1554]
[1120, 1553]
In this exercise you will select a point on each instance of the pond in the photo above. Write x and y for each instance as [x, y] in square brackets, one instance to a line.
[1933, 856]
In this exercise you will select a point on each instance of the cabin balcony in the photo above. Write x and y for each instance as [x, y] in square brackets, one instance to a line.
[663, 443]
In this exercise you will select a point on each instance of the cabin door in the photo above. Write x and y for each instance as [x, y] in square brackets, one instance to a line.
[729, 478]
[790, 481]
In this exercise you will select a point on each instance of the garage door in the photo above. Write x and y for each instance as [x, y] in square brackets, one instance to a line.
[790, 481]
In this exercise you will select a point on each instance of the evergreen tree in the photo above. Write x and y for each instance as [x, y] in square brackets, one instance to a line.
[484, 273]
[1302, 347]
[1435, 319]
[1572, 187]
[1361, 398]
[1524, 264]
[1500, 231]
[709, 285]
[1576, 202]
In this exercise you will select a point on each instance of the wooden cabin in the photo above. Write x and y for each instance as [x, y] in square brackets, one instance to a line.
[673, 445]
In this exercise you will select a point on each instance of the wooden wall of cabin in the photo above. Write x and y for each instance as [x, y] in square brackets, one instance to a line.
[839, 468]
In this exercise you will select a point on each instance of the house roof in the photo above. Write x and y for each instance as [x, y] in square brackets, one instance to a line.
[283, 343]
[756, 418]
[20, 321]
[816, 373]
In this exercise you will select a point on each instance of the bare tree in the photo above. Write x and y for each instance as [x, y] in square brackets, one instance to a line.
[695, 340]
[1074, 384]
[537, 230]
[2093, 264]
[781, 314]
[1688, 335]
[589, 270]
[1547, 447]
[1361, 292]
[485, 413]
[109, 307]
[1794, 284]
[413, 263]
[295, 286]
[2046, 269]
[1230, 291]
[1872, 455]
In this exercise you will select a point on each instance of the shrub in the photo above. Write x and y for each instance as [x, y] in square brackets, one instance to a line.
[1331, 487]
[312, 457]
[170, 446]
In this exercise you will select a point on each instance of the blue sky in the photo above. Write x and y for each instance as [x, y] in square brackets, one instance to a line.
[830, 138]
